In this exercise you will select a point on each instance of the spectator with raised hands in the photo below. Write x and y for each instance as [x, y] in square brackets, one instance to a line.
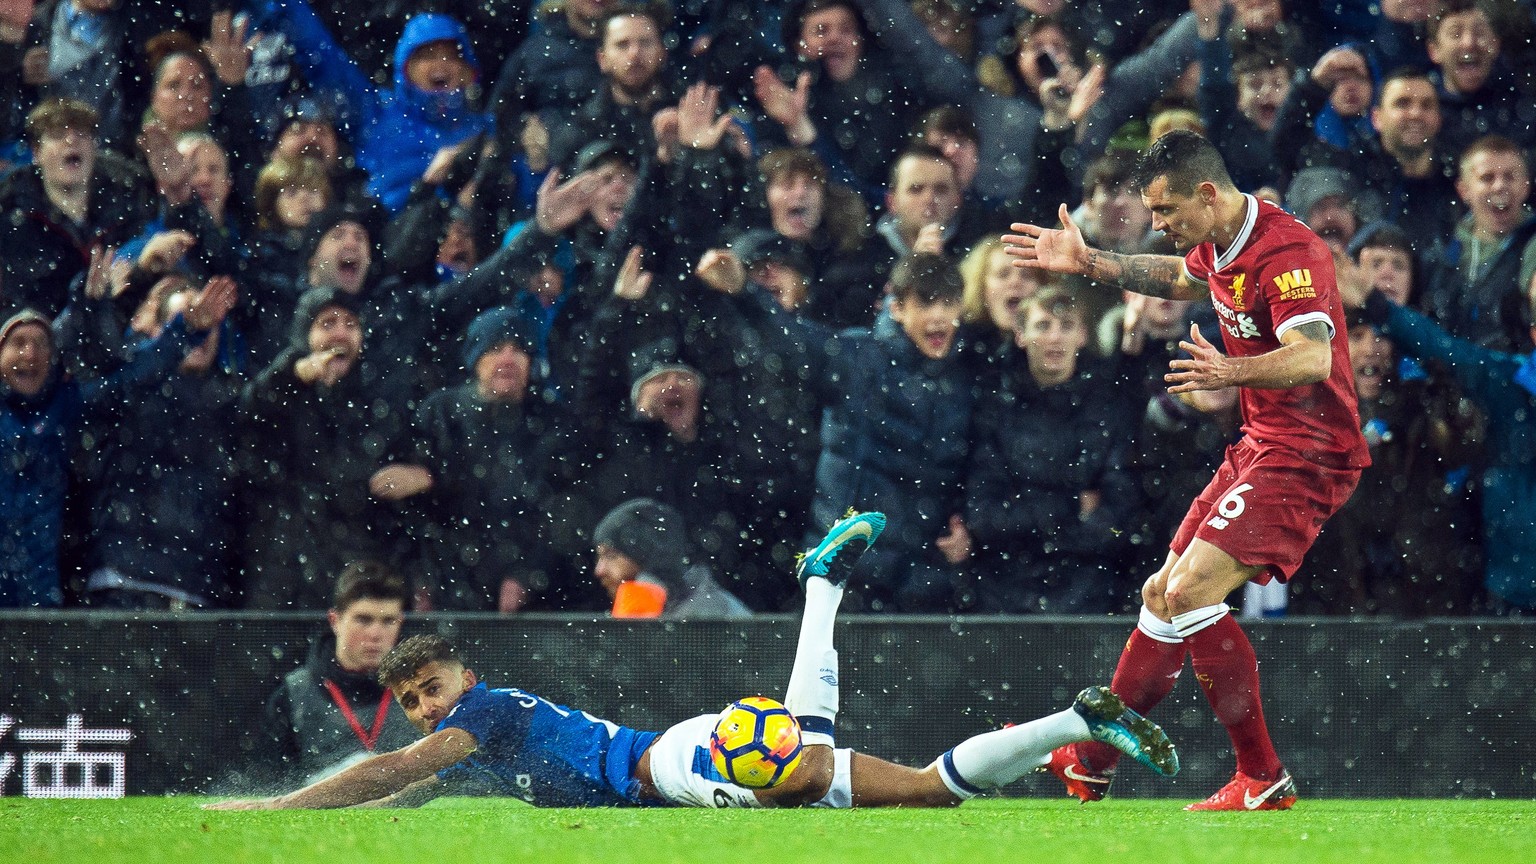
[70, 200]
[1404, 167]
[41, 419]
[397, 131]
[163, 508]
[896, 421]
[847, 95]
[1009, 126]
[91, 51]
[314, 431]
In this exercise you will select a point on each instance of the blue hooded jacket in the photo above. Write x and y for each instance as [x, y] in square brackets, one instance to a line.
[397, 132]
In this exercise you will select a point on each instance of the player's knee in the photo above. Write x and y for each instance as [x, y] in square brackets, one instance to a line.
[810, 781]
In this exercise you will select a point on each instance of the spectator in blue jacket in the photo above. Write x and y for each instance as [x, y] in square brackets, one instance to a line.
[1504, 386]
[397, 132]
[40, 419]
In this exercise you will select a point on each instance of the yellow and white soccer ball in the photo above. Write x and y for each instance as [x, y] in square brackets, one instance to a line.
[756, 743]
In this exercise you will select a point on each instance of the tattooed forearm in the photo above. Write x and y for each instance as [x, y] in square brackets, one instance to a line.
[1152, 275]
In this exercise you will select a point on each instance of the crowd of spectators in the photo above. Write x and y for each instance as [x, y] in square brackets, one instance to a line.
[292, 284]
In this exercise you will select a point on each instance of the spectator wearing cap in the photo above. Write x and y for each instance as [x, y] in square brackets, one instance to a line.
[658, 446]
[306, 129]
[73, 198]
[635, 86]
[396, 132]
[314, 432]
[1324, 198]
[337, 252]
[647, 565]
[1474, 287]
[1405, 172]
[480, 475]
[41, 416]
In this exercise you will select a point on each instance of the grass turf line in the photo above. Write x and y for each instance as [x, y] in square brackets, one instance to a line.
[174, 830]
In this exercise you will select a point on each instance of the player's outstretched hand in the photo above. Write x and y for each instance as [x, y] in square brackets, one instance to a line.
[1207, 368]
[1062, 250]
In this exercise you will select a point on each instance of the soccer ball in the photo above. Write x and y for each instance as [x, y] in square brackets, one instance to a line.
[755, 743]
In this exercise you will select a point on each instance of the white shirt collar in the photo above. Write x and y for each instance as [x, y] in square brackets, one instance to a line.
[1249, 217]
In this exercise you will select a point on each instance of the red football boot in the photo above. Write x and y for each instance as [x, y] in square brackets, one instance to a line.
[1086, 785]
[1246, 793]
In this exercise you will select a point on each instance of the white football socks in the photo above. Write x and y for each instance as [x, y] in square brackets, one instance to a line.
[994, 759]
[812, 692]
[1157, 628]
[1189, 623]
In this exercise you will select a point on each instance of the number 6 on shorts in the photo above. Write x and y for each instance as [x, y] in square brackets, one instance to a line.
[1232, 504]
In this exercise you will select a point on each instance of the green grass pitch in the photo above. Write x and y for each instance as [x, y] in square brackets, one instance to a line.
[1027, 830]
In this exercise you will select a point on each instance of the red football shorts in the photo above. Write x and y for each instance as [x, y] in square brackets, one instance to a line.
[1264, 507]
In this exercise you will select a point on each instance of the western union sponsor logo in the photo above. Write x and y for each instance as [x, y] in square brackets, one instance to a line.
[1289, 282]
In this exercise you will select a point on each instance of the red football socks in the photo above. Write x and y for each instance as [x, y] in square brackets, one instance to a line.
[1228, 672]
[1147, 671]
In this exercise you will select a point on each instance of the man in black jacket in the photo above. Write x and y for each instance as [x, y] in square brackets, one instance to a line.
[332, 711]
[315, 431]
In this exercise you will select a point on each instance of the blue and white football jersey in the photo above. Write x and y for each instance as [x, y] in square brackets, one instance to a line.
[543, 753]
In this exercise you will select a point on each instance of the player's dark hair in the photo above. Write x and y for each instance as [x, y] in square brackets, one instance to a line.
[367, 580]
[926, 278]
[409, 657]
[917, 150]
[1186, 159]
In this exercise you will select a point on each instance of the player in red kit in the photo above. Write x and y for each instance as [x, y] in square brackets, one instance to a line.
[1272, 282]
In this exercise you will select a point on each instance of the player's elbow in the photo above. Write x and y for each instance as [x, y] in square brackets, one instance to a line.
[1319, 365]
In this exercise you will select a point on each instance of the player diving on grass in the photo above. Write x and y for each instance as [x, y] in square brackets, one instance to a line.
[511, 742]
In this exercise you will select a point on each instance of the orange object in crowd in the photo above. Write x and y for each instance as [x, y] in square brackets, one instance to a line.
[636, 599]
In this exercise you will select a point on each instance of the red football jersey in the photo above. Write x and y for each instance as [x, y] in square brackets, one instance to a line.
[1277, 275]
